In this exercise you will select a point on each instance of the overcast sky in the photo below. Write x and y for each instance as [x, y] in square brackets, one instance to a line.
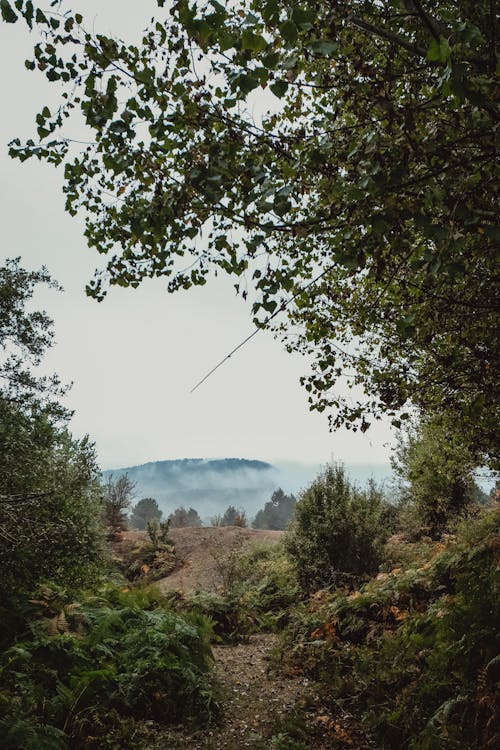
[134, 357]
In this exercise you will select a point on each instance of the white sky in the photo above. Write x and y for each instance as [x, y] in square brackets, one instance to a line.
[134, 357]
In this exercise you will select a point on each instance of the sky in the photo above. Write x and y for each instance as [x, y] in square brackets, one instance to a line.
[133, 358]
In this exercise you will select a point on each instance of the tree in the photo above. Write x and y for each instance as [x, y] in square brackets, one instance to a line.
[363, 192]
[145, 510]
[117, 500]
[24, 338]
[336, 536]
[233, 517]
[276, 513]
[50, 507]
[437, 476]
[182, 517]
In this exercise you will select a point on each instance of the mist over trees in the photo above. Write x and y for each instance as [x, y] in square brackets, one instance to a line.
[355, 202]
[145, 510]
[182, 517]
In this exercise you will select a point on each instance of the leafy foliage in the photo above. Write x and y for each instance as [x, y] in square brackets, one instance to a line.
[366, 181]
[259, 585]
[276, 513]
[233, 517]
[437, 476]
[415, 651]
[182, 517]
[24, 338]
[336, 536]
[90, 666]
[143, 511]
[145, 561]
[50, 510]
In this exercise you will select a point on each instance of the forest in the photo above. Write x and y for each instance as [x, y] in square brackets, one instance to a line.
[338, 161]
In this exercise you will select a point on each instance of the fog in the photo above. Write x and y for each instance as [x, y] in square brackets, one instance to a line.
[210, 486]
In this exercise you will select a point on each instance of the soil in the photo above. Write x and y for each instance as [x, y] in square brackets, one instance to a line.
[253, 700]
[200, 553]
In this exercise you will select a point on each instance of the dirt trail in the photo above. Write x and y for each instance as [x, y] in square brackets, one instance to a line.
[254, 698]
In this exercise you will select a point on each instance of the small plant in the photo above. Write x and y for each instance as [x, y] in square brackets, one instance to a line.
[158, 532]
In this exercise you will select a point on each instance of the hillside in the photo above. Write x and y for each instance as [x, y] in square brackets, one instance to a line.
[210, 485]
[207, 485]
[200, 554]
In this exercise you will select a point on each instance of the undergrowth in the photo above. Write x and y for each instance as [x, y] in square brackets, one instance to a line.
[259, 586]
[84, 674]
[414, 652]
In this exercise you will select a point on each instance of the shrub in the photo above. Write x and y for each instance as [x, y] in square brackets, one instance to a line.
[336, 536]
[259, 587]
[86, 668]
[436, 477]
[414, 653]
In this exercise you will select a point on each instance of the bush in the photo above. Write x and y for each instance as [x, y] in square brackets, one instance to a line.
[88, 667]
[259, 587]
[50, 506]
[414, 653]
[436, 476]
[336, 536]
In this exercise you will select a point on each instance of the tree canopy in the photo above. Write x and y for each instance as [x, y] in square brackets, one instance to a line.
[49, 482]
[143, 511]
[336, 158]
[182, 517]
[276, 513]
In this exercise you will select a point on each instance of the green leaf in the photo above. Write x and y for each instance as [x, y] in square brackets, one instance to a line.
[304, 18]
[279, 88]
[324, 47]
[8, 14]
[439, 50]
[246, 83]
[40, 17]
[289, 31]
[251, 41]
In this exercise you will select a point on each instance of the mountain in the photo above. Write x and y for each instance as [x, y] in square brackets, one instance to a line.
[207, 485]
[210, 485]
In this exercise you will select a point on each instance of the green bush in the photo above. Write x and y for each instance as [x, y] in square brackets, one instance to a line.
[414, 653]
[436, 474]
[336, 536]
[259, 587]
[86, 668]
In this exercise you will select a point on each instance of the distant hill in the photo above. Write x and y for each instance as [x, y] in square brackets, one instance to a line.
[207, 485]
[210, 485]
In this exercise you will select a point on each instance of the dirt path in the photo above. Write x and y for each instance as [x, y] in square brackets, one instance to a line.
[254, 698]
